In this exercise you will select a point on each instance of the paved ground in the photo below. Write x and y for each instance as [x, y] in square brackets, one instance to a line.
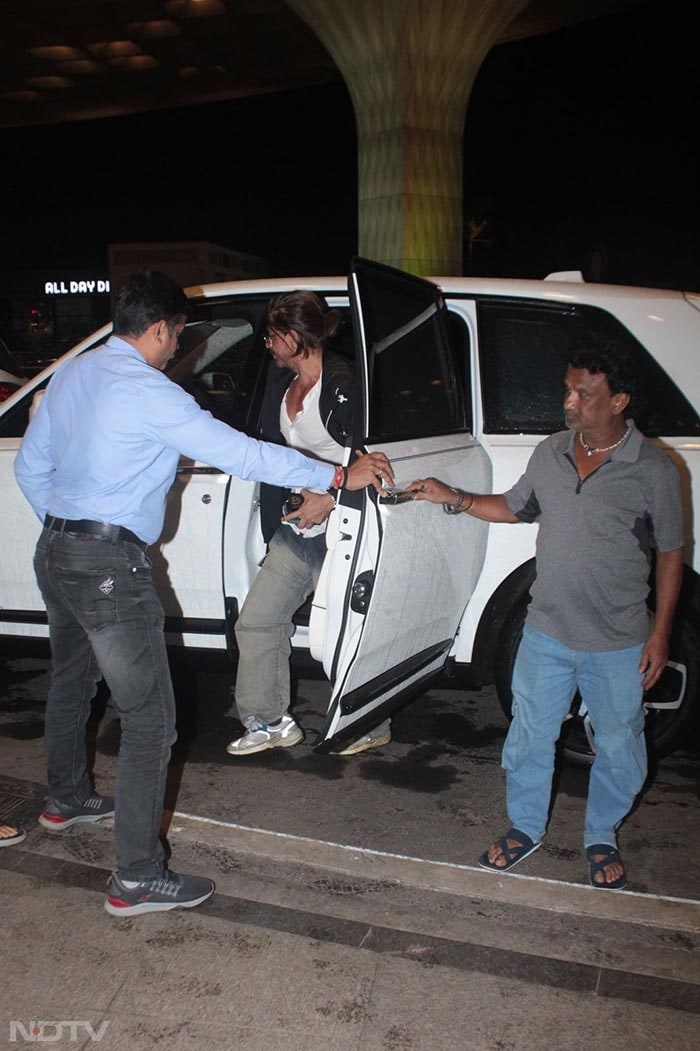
[349, 912]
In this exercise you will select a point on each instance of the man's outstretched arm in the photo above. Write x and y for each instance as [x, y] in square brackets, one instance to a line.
[488, 507]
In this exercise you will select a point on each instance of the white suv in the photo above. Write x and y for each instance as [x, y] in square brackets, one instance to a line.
[459, 381]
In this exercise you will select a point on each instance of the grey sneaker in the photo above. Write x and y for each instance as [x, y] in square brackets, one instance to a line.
[370, 740]
[57, 816]
[165, 892]
[260, 736]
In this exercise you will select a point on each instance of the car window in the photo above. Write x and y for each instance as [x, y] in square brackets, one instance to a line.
[222, 360]
[523, 353]
[414, 389]
[211, 364]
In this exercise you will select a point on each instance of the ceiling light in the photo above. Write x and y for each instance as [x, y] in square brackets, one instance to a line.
[81, 65]
[56, 52]
[49, 82]
[195, 8]
[161, 27]
[134, 63]
[22, 96]
[114, 48]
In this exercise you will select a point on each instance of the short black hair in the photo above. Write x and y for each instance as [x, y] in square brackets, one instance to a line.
[145, 298]
[599, 353]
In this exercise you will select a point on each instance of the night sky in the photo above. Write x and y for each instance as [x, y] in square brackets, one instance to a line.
[579, 149]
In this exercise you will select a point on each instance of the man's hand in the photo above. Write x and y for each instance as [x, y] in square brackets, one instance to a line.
[654, 658]
[431, 489]
[369, 469]
[315, 509]
[669, 575]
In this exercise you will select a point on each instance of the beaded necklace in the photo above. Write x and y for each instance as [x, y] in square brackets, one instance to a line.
[590, 450]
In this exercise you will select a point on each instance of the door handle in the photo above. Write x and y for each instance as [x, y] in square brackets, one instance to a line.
[395, 496]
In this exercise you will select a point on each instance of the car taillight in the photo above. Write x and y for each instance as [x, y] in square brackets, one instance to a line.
[6, 389]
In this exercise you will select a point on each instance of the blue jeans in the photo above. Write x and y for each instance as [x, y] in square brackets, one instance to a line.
[105, 619]
[545, 678]
[264, 628]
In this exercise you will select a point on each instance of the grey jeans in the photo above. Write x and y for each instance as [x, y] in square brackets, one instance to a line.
[105, 618]
[287, 577]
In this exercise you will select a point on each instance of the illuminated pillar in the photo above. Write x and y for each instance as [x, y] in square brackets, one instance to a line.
[409, 66]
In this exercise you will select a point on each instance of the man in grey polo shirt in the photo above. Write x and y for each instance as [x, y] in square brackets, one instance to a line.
[604, 497]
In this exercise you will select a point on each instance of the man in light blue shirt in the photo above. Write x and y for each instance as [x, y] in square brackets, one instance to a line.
[96, 464]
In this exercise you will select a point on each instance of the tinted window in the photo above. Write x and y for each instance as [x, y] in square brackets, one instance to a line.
[524, 350]
[222, 359]
[413, 384]
[212, 364]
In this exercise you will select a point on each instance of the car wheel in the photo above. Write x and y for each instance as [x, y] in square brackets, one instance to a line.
[672, 705]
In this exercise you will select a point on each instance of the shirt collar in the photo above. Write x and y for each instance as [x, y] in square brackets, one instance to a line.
[117, 343]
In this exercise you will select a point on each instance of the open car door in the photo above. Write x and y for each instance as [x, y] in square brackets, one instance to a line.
[398, 574]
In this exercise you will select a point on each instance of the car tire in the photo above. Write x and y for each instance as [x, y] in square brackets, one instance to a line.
[673, 708]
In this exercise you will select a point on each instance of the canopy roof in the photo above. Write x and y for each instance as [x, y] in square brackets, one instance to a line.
[84, 59]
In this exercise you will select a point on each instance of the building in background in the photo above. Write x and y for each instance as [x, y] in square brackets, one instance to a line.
[187, 262]
[44, 312]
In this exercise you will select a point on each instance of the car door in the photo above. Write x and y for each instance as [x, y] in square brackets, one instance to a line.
[209, 513]
[398, 574]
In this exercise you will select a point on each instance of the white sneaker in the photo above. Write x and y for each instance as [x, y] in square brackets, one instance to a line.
[370, 740]
[259, 737]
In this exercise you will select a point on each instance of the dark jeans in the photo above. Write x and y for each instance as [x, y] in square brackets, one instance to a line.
[105, 618]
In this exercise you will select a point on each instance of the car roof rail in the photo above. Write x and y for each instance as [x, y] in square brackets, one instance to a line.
[566, 275]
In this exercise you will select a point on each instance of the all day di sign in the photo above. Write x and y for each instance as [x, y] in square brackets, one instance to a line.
[76, 288]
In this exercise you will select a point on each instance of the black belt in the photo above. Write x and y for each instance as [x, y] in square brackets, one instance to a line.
[100, 530]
